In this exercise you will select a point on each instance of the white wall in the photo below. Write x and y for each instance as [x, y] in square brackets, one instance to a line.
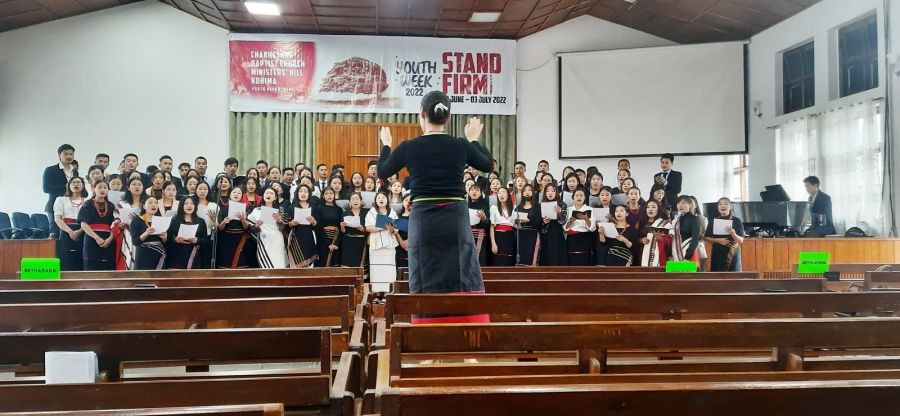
[537, 128]
[143, 78]
[815, 23]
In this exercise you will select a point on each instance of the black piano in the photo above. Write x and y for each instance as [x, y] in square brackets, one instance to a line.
[767, 218]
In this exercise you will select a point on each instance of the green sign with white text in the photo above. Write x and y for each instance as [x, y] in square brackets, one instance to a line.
[681, 267]
[813, 262]
[39, 269]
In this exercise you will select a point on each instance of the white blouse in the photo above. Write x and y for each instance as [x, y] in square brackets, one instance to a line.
[581, 226]
[383, 238]
[499, 219]
[63, 207]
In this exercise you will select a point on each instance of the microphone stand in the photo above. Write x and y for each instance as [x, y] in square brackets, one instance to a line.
[518, 248]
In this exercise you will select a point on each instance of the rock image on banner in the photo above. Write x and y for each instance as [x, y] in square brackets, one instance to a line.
[321, 73]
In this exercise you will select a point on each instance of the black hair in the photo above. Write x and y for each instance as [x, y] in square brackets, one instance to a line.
[812, 180]
[669, 156]
[320, 165]
[436, 106]
[520, 163]
[231, 161]
[543, 161]
[198, 158]
[180, 216]
[184, 165]
[372, 163]
[287, 168]
[83, 193]
[131, 154]
[63, 148]
[164, 157]
[263, 162]
[655, 188]
[308, 194]
[623, 160]
[99, 155]
[337, 166]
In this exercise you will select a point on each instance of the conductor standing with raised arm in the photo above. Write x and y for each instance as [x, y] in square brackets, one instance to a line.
[442, 257]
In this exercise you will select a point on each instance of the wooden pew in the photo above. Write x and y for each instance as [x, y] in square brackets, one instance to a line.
[271, 409]
[645, 286]
[573, 307]
[403, 272]
[590, 273]
[852, 271]
[882, 280]
[212, 273]
[168, 293]
[298, 387]
[355, 281]
[637, 275]
[790, 339]
[210, 313]
[821, 398]
[403, 390]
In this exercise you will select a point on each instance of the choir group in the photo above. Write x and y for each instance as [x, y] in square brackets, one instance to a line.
[299, 217]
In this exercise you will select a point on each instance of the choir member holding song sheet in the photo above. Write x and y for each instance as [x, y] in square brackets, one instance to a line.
[656, 242]
[96, 218]
[528, 214]
[188, 232]
[553, 213]
[479, 221]
[149, 235]
[382, 244]
[580, 231]
[302, 249]
[686, 232]
[266, 222]
[603, 212]
[232, 232]
[503, 231]
[726, 234]
[620, 238]
[353, 238]
[65, 215]
[208, 211]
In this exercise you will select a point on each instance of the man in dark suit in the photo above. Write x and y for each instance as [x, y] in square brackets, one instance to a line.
[166, 165]
[56, 177]
[669, 178]
[131, 165]
[819, 207]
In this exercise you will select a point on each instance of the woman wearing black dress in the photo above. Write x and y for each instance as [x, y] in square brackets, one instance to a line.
[726, 248]
[96, 218]
[184, 253]
[553, 241]
[302, 249]
[150, 245]
[529, 221]
[620, 246]
[328, 220]
[232, 240]
[353, 239]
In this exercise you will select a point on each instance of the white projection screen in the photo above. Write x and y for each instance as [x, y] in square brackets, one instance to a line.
[648, 101]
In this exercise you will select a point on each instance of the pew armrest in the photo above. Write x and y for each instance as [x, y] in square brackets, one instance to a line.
[380, 335]
[360, 337]
[346, 386]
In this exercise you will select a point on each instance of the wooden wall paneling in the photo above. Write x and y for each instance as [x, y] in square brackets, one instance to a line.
[355, 144]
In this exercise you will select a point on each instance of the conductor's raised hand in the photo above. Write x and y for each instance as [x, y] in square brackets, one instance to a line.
[473, 129]
[384, 134]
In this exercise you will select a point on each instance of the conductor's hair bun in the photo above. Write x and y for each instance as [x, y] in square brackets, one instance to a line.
[436, 106]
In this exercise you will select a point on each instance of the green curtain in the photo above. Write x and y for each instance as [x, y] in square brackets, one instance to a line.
[288, 138]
